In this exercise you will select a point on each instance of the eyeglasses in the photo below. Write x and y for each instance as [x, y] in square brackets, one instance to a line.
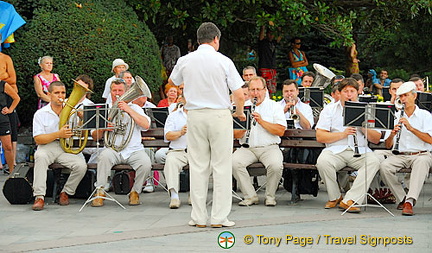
[256, 90]
[299, 43]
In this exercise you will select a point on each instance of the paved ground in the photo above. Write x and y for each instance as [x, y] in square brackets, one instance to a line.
[152, 226]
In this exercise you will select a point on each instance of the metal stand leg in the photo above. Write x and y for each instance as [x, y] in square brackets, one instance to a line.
[92, 197]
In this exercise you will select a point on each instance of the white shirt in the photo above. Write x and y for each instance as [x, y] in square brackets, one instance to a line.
[107, 89]
[175, 122]
[272, 112]
[45, 121]
[149, 104]
[420, 120]
[304, 108]
[331, 119]
[209, 76]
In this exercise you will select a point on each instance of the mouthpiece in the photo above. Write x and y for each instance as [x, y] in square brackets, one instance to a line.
[61, 100]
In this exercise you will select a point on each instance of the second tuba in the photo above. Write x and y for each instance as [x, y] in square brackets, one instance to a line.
[122, 122]
[69, 115]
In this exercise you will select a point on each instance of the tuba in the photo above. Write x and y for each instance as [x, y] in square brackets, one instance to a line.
[323, 76]
[69, 115]
[122, 122]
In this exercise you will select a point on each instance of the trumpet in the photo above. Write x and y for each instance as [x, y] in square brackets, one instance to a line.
[293, 115]
[253, 122]
[396, 146]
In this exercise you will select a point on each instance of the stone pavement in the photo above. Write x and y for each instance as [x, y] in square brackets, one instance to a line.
[152, 226]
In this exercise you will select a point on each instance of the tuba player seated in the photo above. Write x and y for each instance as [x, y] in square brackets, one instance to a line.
[131, 153]
[46, 134]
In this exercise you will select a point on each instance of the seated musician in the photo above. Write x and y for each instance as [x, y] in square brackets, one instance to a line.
[263, 142]
[290, 92]
[46, 134]
[340, 149]
[133, 153]
[414, 135]
[175, 131]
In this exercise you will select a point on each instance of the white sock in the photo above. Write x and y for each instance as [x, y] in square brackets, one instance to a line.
[174, 194]
[410, 200]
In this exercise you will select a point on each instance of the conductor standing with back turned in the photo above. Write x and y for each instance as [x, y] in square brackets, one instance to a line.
[209, 77]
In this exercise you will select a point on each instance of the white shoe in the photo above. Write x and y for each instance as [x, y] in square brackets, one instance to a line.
[225, 224]
[192, 223]
[148, 188]
[174, 203]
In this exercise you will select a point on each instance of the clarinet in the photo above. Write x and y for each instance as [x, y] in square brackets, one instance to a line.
[356, 148]
[253, 122]
[396, 146]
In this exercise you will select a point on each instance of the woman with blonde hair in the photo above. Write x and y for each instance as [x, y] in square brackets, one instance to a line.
[44, 79]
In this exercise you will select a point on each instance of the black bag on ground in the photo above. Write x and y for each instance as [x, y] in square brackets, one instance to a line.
[184, 181]
[18, 187]
[307, 181]
[123, 181]
[84, 189]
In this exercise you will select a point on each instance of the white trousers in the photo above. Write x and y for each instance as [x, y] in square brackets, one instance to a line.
[210, 145]
[329, 163]
[138, 160]
[50, 153]
[272, 159]
[420, 165]
[174, 163]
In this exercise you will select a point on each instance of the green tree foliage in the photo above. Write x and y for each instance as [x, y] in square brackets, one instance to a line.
[83, 38]
[334, 19]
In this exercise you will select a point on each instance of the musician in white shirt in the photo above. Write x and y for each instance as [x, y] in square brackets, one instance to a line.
[414, 130]
[263, 147]
[340, 148]
[290, 92]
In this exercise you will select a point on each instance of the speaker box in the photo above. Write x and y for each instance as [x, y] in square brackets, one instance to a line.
[18, 187]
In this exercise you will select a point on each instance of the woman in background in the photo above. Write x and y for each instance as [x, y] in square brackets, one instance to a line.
[298, 61]
[44, 79]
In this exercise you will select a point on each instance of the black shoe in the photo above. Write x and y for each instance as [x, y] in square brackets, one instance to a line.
[6, 171]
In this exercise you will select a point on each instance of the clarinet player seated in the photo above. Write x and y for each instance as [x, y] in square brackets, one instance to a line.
[411, 139]
[345, 146]
[261, 144]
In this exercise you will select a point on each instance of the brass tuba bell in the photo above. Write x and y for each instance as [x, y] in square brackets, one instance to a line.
[69, 116]
[122, 122]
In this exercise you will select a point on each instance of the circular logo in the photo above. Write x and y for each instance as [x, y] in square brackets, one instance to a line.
[226, 240]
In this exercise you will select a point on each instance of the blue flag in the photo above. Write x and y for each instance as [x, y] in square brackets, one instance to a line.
[10, 21]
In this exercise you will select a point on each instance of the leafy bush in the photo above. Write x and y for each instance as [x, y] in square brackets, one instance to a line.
[83, 38]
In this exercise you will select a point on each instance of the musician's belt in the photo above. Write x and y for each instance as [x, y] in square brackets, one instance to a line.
[185, 150]
[412, 153]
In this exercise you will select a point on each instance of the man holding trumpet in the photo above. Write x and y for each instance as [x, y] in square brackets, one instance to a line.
[345, 146]
[46, 134]
[412, 145]
[293, 106]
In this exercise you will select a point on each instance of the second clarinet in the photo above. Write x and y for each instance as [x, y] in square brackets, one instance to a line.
[396, 146]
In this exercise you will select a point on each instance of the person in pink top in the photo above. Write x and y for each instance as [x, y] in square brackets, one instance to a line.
[44, 79]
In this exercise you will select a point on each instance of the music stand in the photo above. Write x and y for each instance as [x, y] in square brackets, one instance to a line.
[424, 101]
[96, 117]
[386, 93]
[243, 125]
[290, 124]
[158, 116]
[316, 96]
[358, 114]
[368, 98]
